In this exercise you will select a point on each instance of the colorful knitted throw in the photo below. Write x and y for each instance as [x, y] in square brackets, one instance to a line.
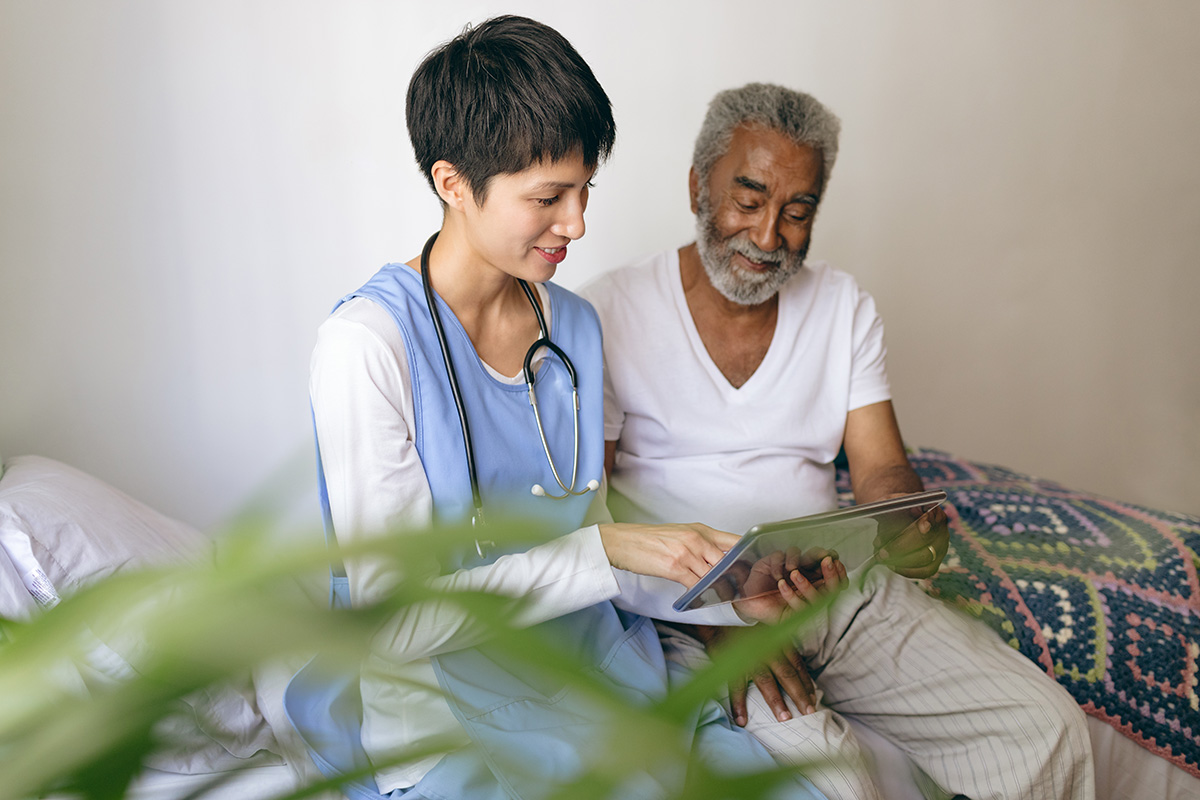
[1102, 594]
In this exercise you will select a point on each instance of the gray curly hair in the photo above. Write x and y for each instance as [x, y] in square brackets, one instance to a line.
[797, 115]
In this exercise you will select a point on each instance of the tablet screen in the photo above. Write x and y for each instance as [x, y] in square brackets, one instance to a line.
[748, 569]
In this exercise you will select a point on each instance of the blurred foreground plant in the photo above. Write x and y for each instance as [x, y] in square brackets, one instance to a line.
[198, 625]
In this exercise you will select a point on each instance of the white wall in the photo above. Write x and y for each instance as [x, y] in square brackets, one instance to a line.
[186, 187]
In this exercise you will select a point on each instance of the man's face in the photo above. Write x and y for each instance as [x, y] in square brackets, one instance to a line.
[754, 213]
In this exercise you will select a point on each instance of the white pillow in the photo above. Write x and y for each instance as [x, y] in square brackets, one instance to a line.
[63, 529]
[15, 602]
[80, 529]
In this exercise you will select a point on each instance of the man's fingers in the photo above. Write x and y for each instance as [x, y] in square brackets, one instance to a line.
[796, 684]
[801, 694]
[833, 575]
[790, 595]
[737, 702]
[767, 684]
[923, 562]
[806, 589]
[795, 559]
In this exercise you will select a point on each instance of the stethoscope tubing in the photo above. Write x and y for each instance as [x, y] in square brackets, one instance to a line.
[464, 423]
[527, 371]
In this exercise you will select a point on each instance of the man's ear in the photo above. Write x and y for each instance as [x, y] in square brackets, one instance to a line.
[450, 185]
[694, 189]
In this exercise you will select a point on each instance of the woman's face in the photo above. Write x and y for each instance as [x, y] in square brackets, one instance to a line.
[529, 217]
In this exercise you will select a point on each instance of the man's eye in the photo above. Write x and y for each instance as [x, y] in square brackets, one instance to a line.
[745, 205]
[547, 201]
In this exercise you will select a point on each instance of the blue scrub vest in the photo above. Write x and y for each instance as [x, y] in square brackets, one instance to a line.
[529, 731]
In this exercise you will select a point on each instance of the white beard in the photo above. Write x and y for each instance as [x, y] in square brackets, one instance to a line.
[737, 285]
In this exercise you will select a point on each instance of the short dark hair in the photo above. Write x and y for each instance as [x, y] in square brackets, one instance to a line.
[503, 95]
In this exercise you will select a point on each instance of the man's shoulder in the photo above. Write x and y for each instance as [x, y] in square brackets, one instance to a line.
[570, 302]
[630, 280]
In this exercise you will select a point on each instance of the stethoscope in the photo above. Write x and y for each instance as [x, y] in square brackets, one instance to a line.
[527, 370]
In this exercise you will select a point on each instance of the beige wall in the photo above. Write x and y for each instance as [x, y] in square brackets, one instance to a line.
[186, 187]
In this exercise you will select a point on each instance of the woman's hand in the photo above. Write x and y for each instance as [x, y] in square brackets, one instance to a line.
[681, 553]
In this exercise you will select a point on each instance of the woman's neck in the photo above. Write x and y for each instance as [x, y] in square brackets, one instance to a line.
[488, 302]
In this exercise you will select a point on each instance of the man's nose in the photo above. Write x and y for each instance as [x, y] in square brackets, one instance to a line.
[765, 233]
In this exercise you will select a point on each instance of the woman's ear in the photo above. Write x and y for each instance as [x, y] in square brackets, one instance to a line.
[450, 185]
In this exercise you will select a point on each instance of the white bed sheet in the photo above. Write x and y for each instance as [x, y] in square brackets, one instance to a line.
[1127, 771]
[254, 783]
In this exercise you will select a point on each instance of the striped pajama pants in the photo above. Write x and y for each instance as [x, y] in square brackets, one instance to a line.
[975, 715]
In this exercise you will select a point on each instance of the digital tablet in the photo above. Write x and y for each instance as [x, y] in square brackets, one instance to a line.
[853, 532]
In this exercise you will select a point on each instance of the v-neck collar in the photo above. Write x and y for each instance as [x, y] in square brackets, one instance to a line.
[750, 387]
[507, 382]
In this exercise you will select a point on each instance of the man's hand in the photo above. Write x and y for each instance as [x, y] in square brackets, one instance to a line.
[782, 582]
[785, 675]
[778, 584]
[918, 551]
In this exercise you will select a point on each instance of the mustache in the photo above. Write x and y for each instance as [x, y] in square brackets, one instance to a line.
[780, 255]
[755, 253]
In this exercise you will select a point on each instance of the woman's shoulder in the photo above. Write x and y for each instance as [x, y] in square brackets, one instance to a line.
[359, 328]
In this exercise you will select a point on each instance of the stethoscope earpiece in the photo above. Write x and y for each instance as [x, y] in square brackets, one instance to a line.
[537, 490]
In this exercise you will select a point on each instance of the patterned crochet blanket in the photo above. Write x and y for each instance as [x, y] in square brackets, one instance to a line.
[1104, 595]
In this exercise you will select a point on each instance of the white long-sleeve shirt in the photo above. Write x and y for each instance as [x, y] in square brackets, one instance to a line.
[362, 403]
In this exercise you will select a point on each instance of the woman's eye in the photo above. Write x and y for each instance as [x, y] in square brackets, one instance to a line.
[547, 201]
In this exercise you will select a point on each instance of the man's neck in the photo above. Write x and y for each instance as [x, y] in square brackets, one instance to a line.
[736, 336]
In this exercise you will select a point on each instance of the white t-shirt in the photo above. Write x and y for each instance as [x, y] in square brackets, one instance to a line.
[361, 394]
[694, 448]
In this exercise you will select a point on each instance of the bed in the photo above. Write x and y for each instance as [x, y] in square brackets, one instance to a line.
[1101, 594]
[62, 530]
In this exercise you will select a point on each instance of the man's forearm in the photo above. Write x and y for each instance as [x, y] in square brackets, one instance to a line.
[885, 482]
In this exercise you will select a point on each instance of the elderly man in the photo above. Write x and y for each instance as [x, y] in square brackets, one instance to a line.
[736, 373]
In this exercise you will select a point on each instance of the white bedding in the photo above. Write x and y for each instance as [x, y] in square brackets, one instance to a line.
[1127, 771]
[254, 783]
